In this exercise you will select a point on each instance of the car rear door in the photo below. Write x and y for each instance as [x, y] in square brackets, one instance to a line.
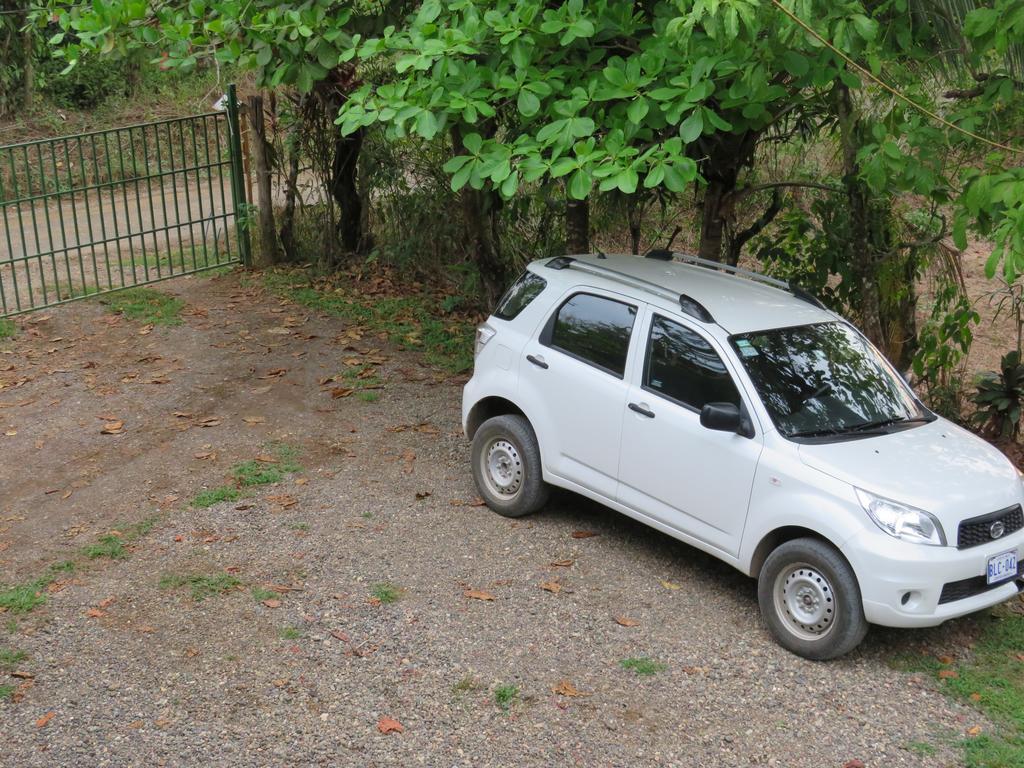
[690, 478]
[572, 383]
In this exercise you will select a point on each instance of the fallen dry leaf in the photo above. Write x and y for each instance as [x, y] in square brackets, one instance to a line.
[948, 674]
[43, 721]
[106, 602]
[477, 594]
[95, 613]
[945, 659]
[623, 621]
[975, 697]
[669, 585]
[566, 688]
[562, 563]
[551, 586]
[583, 534]
[112, 428]
[339, 392]
[272, 603]
[254, 419]
[974, 730]
[389, 725]
[855, 763]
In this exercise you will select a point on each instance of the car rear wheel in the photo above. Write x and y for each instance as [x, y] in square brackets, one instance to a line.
[810, 600]
[506, 466]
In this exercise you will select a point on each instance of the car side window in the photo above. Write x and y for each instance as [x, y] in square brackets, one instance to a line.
[682, 366]
[593, 329]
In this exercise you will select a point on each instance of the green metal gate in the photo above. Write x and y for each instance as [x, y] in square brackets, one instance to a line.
[98, 212]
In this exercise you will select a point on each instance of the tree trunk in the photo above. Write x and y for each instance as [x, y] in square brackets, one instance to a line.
[480, 217]
[577, 226]
[288, 215]
[345, 190]
[712, 228]
[268, 251]
[28, 41]
[861, 251]
[725, 154]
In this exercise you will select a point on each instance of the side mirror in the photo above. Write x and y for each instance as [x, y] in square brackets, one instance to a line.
[722, 417]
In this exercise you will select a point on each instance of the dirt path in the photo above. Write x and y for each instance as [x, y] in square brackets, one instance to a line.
[137, 672]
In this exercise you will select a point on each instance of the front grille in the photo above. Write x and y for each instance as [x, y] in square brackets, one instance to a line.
[978, 530]
[976, 585]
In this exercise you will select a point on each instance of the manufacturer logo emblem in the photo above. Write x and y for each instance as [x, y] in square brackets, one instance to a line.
[997, 529]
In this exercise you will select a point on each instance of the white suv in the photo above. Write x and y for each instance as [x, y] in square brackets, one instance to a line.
[737, 414]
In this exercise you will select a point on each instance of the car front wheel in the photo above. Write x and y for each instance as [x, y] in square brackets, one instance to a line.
[810, 600]
[506, 466]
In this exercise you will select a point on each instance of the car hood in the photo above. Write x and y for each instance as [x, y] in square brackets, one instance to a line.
[938, 467]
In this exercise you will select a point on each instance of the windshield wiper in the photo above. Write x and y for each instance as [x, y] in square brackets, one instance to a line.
[860, 429]
[816, 433]
[869, 426]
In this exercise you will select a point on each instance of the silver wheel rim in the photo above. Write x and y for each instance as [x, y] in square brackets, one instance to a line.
[502, 469]
[805, 601]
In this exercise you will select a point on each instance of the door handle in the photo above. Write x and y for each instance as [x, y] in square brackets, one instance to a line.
[538, 361]
[643, 410]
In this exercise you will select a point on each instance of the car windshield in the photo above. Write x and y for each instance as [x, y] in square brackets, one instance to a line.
[824, 380]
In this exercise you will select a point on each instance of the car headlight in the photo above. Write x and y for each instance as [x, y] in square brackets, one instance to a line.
[903, 521]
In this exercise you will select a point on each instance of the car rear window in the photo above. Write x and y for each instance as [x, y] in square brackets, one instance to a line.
[518, 297]
[595, 330]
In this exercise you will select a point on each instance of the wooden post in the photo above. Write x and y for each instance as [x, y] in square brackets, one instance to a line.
[268, 252]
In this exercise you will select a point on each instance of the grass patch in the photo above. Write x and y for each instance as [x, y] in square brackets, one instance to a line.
[8, 330]
[922, 748]
[505, 696]
[253, 473]
[368, 395]
[290, 633]
[202, 586]
[9, 658]
[215, 496]
[24, 598]
[109, 546]
[992, 680]
[420, 321]
[385, 593]
[6, 691]
[302, 527]
[259, 594]
[467, 684]
[146, 305]
[643, 666]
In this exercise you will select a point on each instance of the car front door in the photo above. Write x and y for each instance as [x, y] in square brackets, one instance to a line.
[692, 479]
[572, 380]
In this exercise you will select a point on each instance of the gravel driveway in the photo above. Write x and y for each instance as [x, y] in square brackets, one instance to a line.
[125, 667]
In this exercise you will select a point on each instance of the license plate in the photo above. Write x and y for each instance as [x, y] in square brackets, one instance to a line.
[1002, 567]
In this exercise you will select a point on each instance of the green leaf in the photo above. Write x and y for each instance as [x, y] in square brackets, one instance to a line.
[473, 142]
[692, 127]
[796, 64]
[637, 110]
[866, 28]
[580, 184]
[527, 103]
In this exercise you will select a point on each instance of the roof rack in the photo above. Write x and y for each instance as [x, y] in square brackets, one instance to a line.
[687, 304]
[790, 287]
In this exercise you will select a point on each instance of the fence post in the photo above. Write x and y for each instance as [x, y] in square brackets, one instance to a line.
[237, 182]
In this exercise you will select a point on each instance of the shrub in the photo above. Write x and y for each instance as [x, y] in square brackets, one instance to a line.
[999, 398]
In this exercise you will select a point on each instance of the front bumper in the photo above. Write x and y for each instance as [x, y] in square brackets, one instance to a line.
[902, 584]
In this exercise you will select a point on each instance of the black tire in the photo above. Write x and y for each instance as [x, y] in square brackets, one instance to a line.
[811, 601]
[512, 444]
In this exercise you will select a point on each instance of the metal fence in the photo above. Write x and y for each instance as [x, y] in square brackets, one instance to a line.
[98, 212]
